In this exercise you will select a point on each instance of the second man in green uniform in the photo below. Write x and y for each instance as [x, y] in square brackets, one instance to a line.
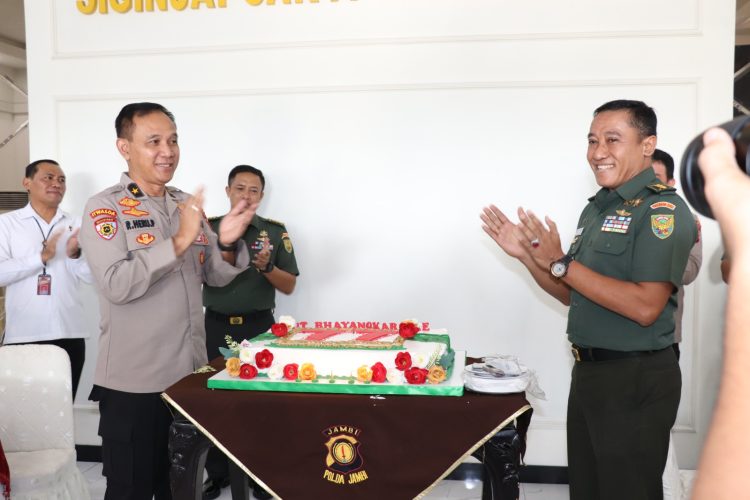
[244, 308]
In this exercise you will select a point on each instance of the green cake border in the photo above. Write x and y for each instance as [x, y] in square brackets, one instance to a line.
[454, 386]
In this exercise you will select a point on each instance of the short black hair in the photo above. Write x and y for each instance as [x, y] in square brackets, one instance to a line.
[33, 167]
[124, 120]
[666, 159]
[642, 116]
[251, 170]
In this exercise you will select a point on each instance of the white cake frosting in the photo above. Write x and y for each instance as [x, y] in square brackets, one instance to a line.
[343, 362]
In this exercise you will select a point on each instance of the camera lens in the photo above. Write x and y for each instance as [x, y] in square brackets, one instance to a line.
[690, 174]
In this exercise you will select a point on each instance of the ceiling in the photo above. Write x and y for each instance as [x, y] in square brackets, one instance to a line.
[13, 31]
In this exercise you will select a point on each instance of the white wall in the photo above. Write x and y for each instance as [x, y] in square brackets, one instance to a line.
[383, 127]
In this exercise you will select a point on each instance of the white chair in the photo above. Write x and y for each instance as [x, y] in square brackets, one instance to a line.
[36, 423]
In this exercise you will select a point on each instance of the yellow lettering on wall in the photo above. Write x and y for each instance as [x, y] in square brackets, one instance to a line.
[86, 7]
[89, 7]
[179, 4]
[161, 4]
[121, 6]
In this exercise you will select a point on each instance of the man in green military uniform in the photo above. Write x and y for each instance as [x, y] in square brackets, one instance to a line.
[620, 278]
[244, 308]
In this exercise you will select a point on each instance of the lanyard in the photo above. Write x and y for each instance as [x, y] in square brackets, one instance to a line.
[45, 238]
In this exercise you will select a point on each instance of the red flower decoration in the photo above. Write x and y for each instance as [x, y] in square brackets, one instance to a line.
[407, 329]
[403, 360]
[416, 376]
[264, 358]
[248, 371]
[378, 372]
[279, 329]
[290, 371]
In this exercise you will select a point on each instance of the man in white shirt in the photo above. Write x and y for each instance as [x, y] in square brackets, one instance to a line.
[41, 266]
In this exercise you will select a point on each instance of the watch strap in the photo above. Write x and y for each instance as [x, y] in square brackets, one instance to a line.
[226, 248]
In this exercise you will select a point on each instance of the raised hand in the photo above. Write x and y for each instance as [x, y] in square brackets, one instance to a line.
[506, 234]
[260, 261]
[191, 216]
[72, 248]
[234, 224]
[543, 241]
[49, 247]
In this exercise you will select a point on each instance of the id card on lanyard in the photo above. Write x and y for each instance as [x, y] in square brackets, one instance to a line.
[44, 280]
[44, 284]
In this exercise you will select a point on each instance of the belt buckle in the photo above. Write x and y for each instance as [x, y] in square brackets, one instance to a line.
[576, 353]
[235, 320]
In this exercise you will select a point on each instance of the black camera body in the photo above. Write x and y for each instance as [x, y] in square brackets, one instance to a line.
[691, 176]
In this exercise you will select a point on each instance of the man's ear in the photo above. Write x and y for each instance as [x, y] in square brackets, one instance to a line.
[226, 190]
[26, 182]
[671, 182]
[649, 145]
[123, 146]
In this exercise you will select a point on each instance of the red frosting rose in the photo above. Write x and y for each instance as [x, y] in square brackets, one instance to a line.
[279, 329]
[407, 329]
[248, 371]
[416, 375]
[403, 360]
[264, 358]
[290, 371]
[378, 372]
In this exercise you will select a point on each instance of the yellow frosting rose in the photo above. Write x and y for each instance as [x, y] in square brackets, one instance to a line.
[307, 372]
[233, 367]
[436, 374]
[364, 374]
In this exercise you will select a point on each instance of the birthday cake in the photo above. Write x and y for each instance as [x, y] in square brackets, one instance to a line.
[344, 357]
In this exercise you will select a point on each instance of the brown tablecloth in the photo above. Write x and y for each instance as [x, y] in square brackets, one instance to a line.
[345, 446]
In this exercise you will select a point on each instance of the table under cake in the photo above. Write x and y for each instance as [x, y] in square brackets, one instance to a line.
[299, 445]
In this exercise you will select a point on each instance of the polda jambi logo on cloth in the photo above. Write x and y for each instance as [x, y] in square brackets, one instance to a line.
[344, 461]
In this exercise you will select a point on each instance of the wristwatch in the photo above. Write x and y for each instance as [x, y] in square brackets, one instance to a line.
[227, 248]
[559, 268]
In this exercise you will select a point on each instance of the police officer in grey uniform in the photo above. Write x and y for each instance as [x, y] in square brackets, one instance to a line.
[244, 308]
[150, 250]
[620, 278]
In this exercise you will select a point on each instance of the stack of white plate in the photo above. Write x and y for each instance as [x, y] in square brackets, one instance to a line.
[498, 375]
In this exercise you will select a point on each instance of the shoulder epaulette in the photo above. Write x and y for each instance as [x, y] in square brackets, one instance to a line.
[658, 187]
[278, 223]
[173, 189]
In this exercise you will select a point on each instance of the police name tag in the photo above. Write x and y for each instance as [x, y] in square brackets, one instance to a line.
[616, 224]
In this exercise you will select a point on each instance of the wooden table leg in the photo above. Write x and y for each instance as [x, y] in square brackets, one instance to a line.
[187, 453]
[501, 457]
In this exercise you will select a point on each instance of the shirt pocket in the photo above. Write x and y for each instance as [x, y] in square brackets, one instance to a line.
[611, 243]
[142, 238]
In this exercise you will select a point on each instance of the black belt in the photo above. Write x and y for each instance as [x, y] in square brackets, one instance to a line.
[597, 354]
[238, 319]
